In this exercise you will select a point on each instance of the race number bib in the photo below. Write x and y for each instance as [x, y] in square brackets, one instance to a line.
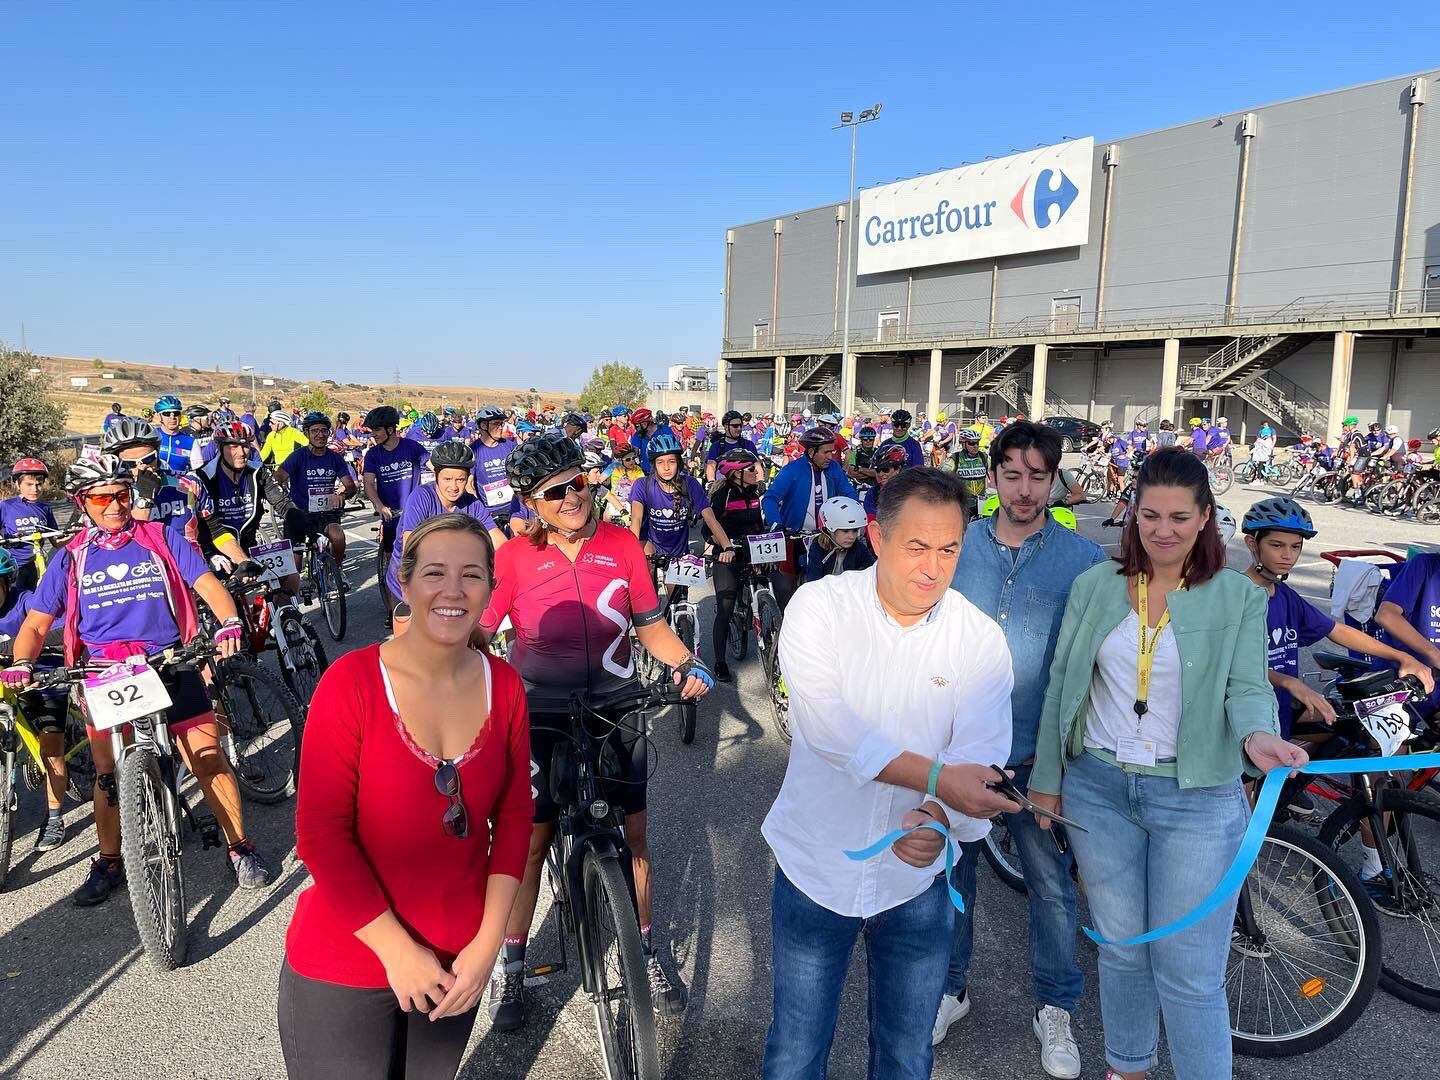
[123, 693]
[497, 493]
[321, 501]
[1386, 720]
[686, 570]
[277, 558]
[767, 547]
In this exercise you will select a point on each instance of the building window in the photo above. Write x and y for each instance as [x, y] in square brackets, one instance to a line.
[762, 333]
[1064, 314]
[889, 326]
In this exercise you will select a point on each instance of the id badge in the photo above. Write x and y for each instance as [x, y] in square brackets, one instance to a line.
[1134, 750]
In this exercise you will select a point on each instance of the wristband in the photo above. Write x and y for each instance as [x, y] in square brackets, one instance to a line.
[934, 780]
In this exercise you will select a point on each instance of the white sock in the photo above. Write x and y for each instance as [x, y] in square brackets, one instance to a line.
[1370, 865]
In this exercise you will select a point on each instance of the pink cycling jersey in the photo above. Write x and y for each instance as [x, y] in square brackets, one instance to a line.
[572, 620]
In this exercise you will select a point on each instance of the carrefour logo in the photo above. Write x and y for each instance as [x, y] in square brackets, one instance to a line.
[1043, 198]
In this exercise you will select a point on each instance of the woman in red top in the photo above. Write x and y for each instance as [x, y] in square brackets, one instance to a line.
[414, 821]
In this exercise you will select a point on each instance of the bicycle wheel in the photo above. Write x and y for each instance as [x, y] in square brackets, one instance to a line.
[620, 988]
[1409, 891]
[331, 594]
[150, 842]
[266, 725]
[737, 638]
[1245, 472]
[769, 617]
[685, 631]
[79, 762]
[1305, 952]
[1000, 852]
[1094, 486]
[305, 660]
[1222, 477]
[9, 806]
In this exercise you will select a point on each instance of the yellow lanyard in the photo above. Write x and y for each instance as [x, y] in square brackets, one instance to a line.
[1149, 641]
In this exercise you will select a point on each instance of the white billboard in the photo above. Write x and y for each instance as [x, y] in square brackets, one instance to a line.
[1026, 202]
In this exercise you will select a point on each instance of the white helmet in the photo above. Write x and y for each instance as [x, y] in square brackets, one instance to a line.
[840, 512]
[1392, 430]
[1225, 522]
[1221, 421]
[806, 414]
[280, 417]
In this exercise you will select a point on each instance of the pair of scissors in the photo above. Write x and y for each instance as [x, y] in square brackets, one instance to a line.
[1006, 786]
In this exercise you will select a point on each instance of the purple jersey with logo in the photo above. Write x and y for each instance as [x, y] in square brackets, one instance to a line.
[491, 483]
[1292, 623]
[422, 505]
[121, 595]
[1415, 590]
[313, 478]
[19, 518]
[397, 472]
[665, 528]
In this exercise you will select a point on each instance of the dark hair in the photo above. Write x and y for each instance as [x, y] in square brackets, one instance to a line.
[1174, 467]
[919, 482]
[454, 522]
[1025, 435]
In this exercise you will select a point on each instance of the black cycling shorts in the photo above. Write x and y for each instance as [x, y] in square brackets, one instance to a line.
[320, 519]
[625, 759]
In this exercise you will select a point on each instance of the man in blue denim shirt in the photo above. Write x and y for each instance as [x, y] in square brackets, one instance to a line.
[1017, 567]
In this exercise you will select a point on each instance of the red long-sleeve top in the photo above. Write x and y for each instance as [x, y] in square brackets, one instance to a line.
[368, 822]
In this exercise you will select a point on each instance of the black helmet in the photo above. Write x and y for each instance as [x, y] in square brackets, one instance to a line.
[573, 418]
[342, 417]
[868, 432]
[382, 416]
[817, 437]
[545, 455]
[489, 414]
[452, 454]
[729, 416]
[314, 418]
[901, 416]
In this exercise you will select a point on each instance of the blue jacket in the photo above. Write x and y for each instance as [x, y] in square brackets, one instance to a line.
[787, 499]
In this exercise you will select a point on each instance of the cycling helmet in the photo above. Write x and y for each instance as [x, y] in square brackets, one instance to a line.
[662, 444]
[280, 418]
[382, 416]
[969, 435]
[1225, 523]
[736, 461]
[901, 416]
[1221, 421]
[1266, 429]
[841, 512]
[1376, 426]
[168, 403]
[817, 437]
[1392, 430]
[1195, 421]
[729, 417]
[222, 415]
[941, 416]
[543, 456]
[868, 432]
[430, 425]
[891, 455]
[1413, 444]
[1278, 513]
[642, 416]
[592, 459]
[1434, 433]
[314, 418]
[8, 566]
[127, 432]
[197, 412]
[452, 454]
[806, 414]
[29, 466]
[489, 414]
[619, 410]
[342, 417]
[795, 418]
[90, 472]
[574, 419]
[525, 427]
[1350, 421]
[235, 433]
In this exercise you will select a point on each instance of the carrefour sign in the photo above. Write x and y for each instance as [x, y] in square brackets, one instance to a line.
[1025, 202]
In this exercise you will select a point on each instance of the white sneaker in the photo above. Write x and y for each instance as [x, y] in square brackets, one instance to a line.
[951, 1009]
[1059, 1056]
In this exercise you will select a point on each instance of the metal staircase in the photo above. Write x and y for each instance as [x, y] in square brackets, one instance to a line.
[1016, 391]
[1289, 405]
[989, 368]
[1235, 363]
[812, 372]
[864, 404]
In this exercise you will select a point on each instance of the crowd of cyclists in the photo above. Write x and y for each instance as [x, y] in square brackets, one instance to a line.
[584, 514]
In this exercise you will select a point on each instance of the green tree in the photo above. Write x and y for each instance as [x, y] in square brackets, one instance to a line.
[613, 384]
[29, 416]
[313, 400]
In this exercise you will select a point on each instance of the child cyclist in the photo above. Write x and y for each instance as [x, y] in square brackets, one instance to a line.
[838, 547]
[1275, 533]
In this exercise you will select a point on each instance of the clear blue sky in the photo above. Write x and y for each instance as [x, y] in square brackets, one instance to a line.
[509, 195]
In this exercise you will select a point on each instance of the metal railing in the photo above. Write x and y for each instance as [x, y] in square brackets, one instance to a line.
[967, 376]
[1224, 358]
[1287, 401]
[807, 368]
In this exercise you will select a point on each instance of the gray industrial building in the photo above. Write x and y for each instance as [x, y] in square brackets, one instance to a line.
[1280, 263]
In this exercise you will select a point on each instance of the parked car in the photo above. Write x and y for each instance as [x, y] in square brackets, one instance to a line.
[1074, 432]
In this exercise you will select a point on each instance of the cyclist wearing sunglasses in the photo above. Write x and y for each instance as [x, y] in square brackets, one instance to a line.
[157, 498]
[313, 471]
[175, 443]
[573, 590]
[128, 587]
[26, 512]
[887, 464]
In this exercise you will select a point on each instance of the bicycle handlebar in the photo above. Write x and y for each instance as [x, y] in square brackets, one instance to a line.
[174, 656]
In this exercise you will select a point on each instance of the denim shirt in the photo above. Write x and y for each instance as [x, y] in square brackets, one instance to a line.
[1025, 593]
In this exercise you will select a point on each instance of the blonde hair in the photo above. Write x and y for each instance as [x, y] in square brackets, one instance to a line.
[451, 522]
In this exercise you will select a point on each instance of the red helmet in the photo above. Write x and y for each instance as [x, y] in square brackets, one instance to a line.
[1414, 444]
[235, 433]
[891, 455]
[29, 466]
[642, 416]
[840, 443]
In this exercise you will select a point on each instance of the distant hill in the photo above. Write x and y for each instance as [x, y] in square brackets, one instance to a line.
[136, 386]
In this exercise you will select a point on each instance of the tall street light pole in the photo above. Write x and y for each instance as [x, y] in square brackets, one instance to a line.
[851, 121]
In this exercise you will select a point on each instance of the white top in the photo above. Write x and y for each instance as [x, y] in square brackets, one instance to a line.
[1112, 691]
[862, 690]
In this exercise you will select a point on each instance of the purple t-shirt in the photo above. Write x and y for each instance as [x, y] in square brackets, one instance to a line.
[1415, 590]
[490, 470]
[721, 447]
[1198, 440]
[19, 518]
[397, 472]
[122, 592]
[423, 504]
[313, 477]
[1292, 623]
[668, 531]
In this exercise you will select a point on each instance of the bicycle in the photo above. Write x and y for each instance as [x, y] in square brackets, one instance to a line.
[1221, 474]
[1263, 472]
[1001, 853]
[673, 577]
[321, 581]
[757, 613]
[592, 880]
[1093, 479]
[269, 616]
[33, 540]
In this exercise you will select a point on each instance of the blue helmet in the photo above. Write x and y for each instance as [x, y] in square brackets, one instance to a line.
[619, 410]
[1266, 429]
[430, 425]
[168, 403]
[8, 566]
[1279, 513]
[525, 426]
[663, 443]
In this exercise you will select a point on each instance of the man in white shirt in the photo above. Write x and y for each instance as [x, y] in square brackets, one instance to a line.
[899, 694]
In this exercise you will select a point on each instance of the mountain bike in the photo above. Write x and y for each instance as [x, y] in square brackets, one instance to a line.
[673, 577]
[321, 581]
[270, 616]
[34, 541]
[757, 613]
[1091, 476]
[592, 880]
[1264, 472]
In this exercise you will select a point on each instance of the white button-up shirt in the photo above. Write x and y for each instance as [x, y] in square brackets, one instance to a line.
[863, 689]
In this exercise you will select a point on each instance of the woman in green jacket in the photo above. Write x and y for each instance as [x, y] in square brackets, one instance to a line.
[1158, 700]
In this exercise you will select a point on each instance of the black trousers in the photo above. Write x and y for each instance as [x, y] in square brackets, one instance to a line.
[331, 1032]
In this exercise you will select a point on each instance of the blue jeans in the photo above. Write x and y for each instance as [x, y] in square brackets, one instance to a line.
[811, 954]
[1051, 898]
[1155, 850]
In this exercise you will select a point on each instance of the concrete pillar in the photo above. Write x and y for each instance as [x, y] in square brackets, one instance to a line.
[1340, 360]
[847, 383]
[932, 402]
[722, 385]
[1038, 376]
[1169, 381]
[780, 386]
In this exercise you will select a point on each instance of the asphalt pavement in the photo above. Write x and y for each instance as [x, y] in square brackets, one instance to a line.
[78, 999]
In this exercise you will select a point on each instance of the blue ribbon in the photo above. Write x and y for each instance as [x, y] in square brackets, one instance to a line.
[889, 840]
[1254, 836]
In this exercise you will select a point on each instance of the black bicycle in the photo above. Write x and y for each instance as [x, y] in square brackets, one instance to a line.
[592, 878]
